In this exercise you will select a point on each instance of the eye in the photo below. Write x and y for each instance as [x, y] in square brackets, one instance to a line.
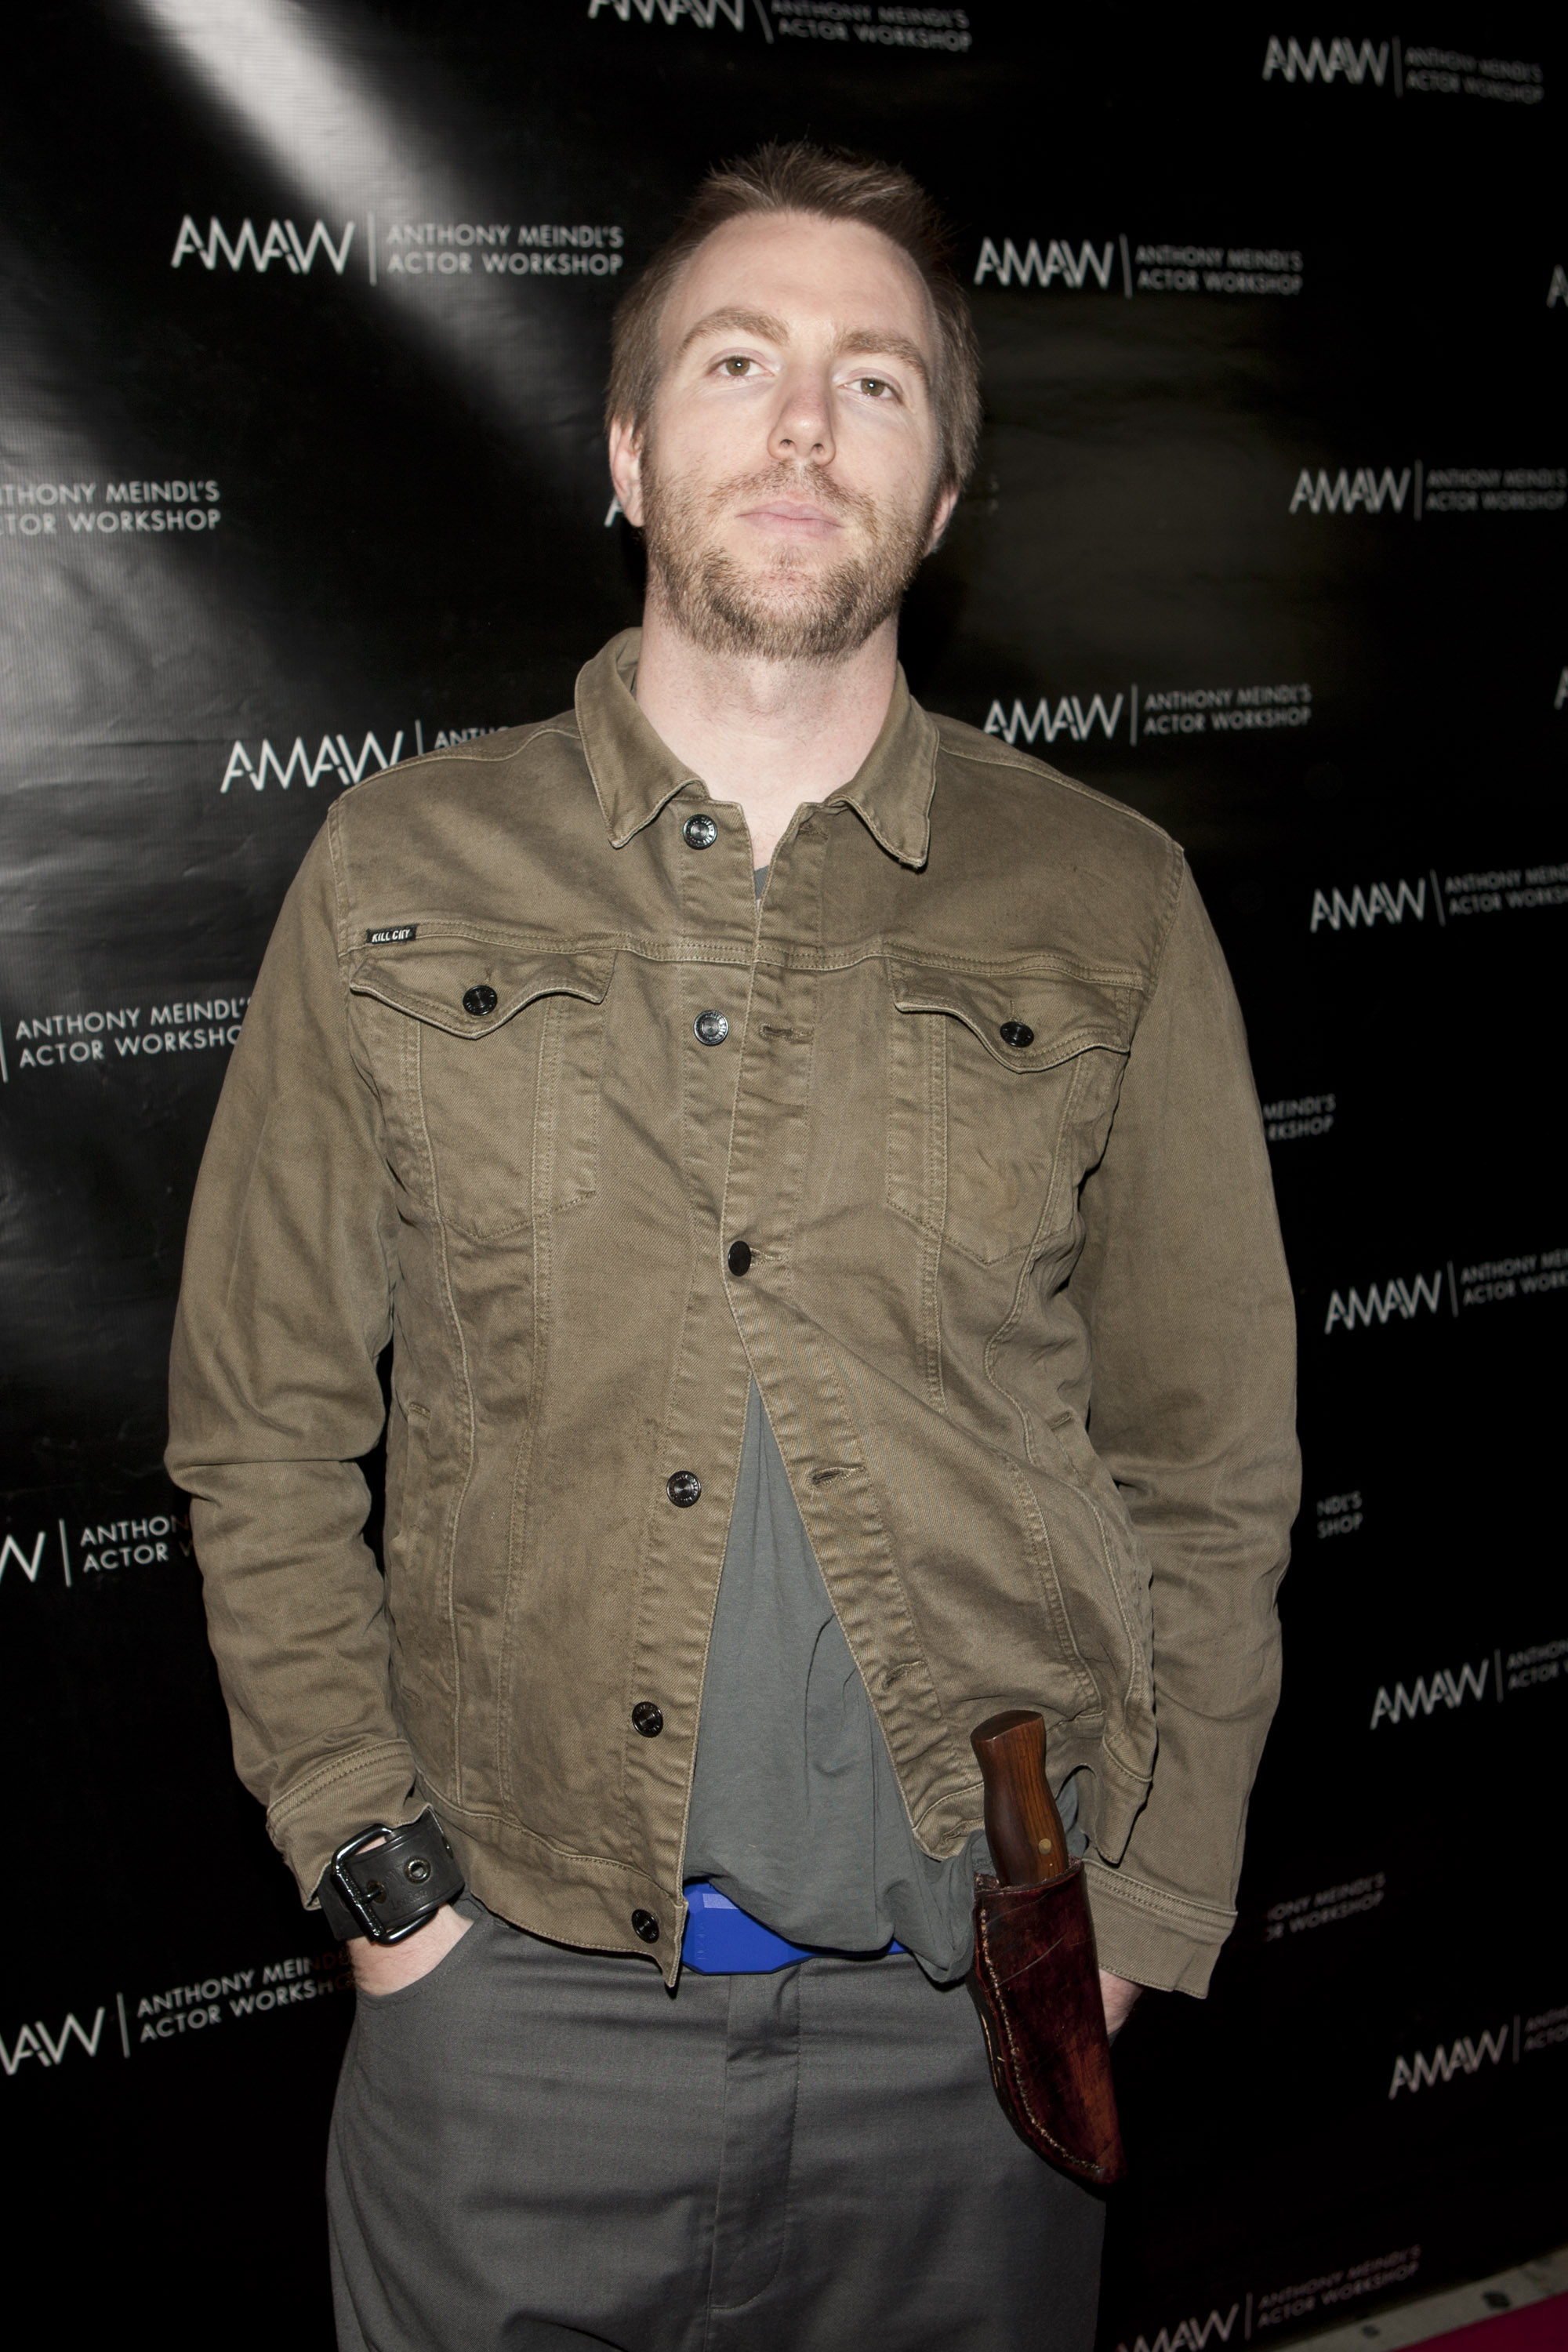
[875, 387]
[736, 365]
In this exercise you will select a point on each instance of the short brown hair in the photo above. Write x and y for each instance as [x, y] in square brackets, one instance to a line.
[834, 184]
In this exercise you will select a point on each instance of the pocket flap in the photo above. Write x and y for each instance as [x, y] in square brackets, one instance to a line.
[431, 980]
[1062, 1017]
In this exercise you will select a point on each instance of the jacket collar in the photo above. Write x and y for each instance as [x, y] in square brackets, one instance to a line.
[634, 772]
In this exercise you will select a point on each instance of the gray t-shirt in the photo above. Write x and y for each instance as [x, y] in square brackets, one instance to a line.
[795, 1811]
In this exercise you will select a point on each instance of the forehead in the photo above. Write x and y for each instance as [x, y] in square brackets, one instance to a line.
[806, 272]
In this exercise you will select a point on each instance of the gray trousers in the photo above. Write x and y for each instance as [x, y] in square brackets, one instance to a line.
[537, 2147]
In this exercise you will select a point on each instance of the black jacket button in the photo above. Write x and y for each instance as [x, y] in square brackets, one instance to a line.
[711, 1028]
[479, 1000]
[683, 1489]
[701, 832]
[645, 1925]
[1018, 1033]
[647, 1718]
[739, 1258]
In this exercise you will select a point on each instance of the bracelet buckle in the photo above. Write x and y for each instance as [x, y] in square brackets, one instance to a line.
[387, 1882]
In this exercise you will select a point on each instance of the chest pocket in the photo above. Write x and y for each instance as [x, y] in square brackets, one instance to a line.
[1000, 1094]
[489, 1066]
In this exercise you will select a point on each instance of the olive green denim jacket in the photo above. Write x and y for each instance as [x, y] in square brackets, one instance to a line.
[1015, 1303]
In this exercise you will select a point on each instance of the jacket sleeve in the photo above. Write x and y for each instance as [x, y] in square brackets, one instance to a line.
[285, 1306]
[1183, 1289]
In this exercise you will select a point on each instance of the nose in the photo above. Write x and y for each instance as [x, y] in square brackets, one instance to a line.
[802, 423]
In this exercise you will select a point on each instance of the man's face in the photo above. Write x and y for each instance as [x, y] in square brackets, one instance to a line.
[786, 482]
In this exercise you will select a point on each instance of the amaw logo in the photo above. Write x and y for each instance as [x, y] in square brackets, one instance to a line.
[704, 14]
[1291, 62]
[281, 242]
[1366, 488]
[1444, 1688]
[1071, 718]
[336, 760]
[49, 2049]
[1392, 900]
[1399, 1297]
[1188, 2335]
[1090, 264]
[1466, 2056]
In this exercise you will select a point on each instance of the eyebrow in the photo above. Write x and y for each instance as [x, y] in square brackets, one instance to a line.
[870, 339]
[875, 340]
[739, 322]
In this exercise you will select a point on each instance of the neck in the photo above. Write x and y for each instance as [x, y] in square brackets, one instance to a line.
[769, 735]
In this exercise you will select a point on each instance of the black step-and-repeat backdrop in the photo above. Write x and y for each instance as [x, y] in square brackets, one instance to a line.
[303, 339]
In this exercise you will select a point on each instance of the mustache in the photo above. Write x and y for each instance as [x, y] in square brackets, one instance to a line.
[785, 480]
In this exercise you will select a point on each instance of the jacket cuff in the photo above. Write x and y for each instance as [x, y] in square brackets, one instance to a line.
[341, 1796]
[1151, 1937]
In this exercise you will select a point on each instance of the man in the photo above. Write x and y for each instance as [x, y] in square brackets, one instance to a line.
[804, 1156]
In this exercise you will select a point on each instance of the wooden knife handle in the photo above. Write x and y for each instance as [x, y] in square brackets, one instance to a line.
[1023, 1827]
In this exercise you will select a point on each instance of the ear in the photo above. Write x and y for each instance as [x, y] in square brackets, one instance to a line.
[940, 520]
[625, 469]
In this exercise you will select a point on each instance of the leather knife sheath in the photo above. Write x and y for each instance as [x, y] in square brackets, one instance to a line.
[1037, 1974]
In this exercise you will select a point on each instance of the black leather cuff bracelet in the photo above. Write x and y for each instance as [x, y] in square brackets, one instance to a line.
[390, 1891]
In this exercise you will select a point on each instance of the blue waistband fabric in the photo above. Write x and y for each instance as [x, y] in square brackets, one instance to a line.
[722, 1941]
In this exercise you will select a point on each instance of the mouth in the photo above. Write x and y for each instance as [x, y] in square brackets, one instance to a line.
[794, 519]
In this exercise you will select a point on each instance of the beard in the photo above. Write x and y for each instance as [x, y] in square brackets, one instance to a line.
[781, 609]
